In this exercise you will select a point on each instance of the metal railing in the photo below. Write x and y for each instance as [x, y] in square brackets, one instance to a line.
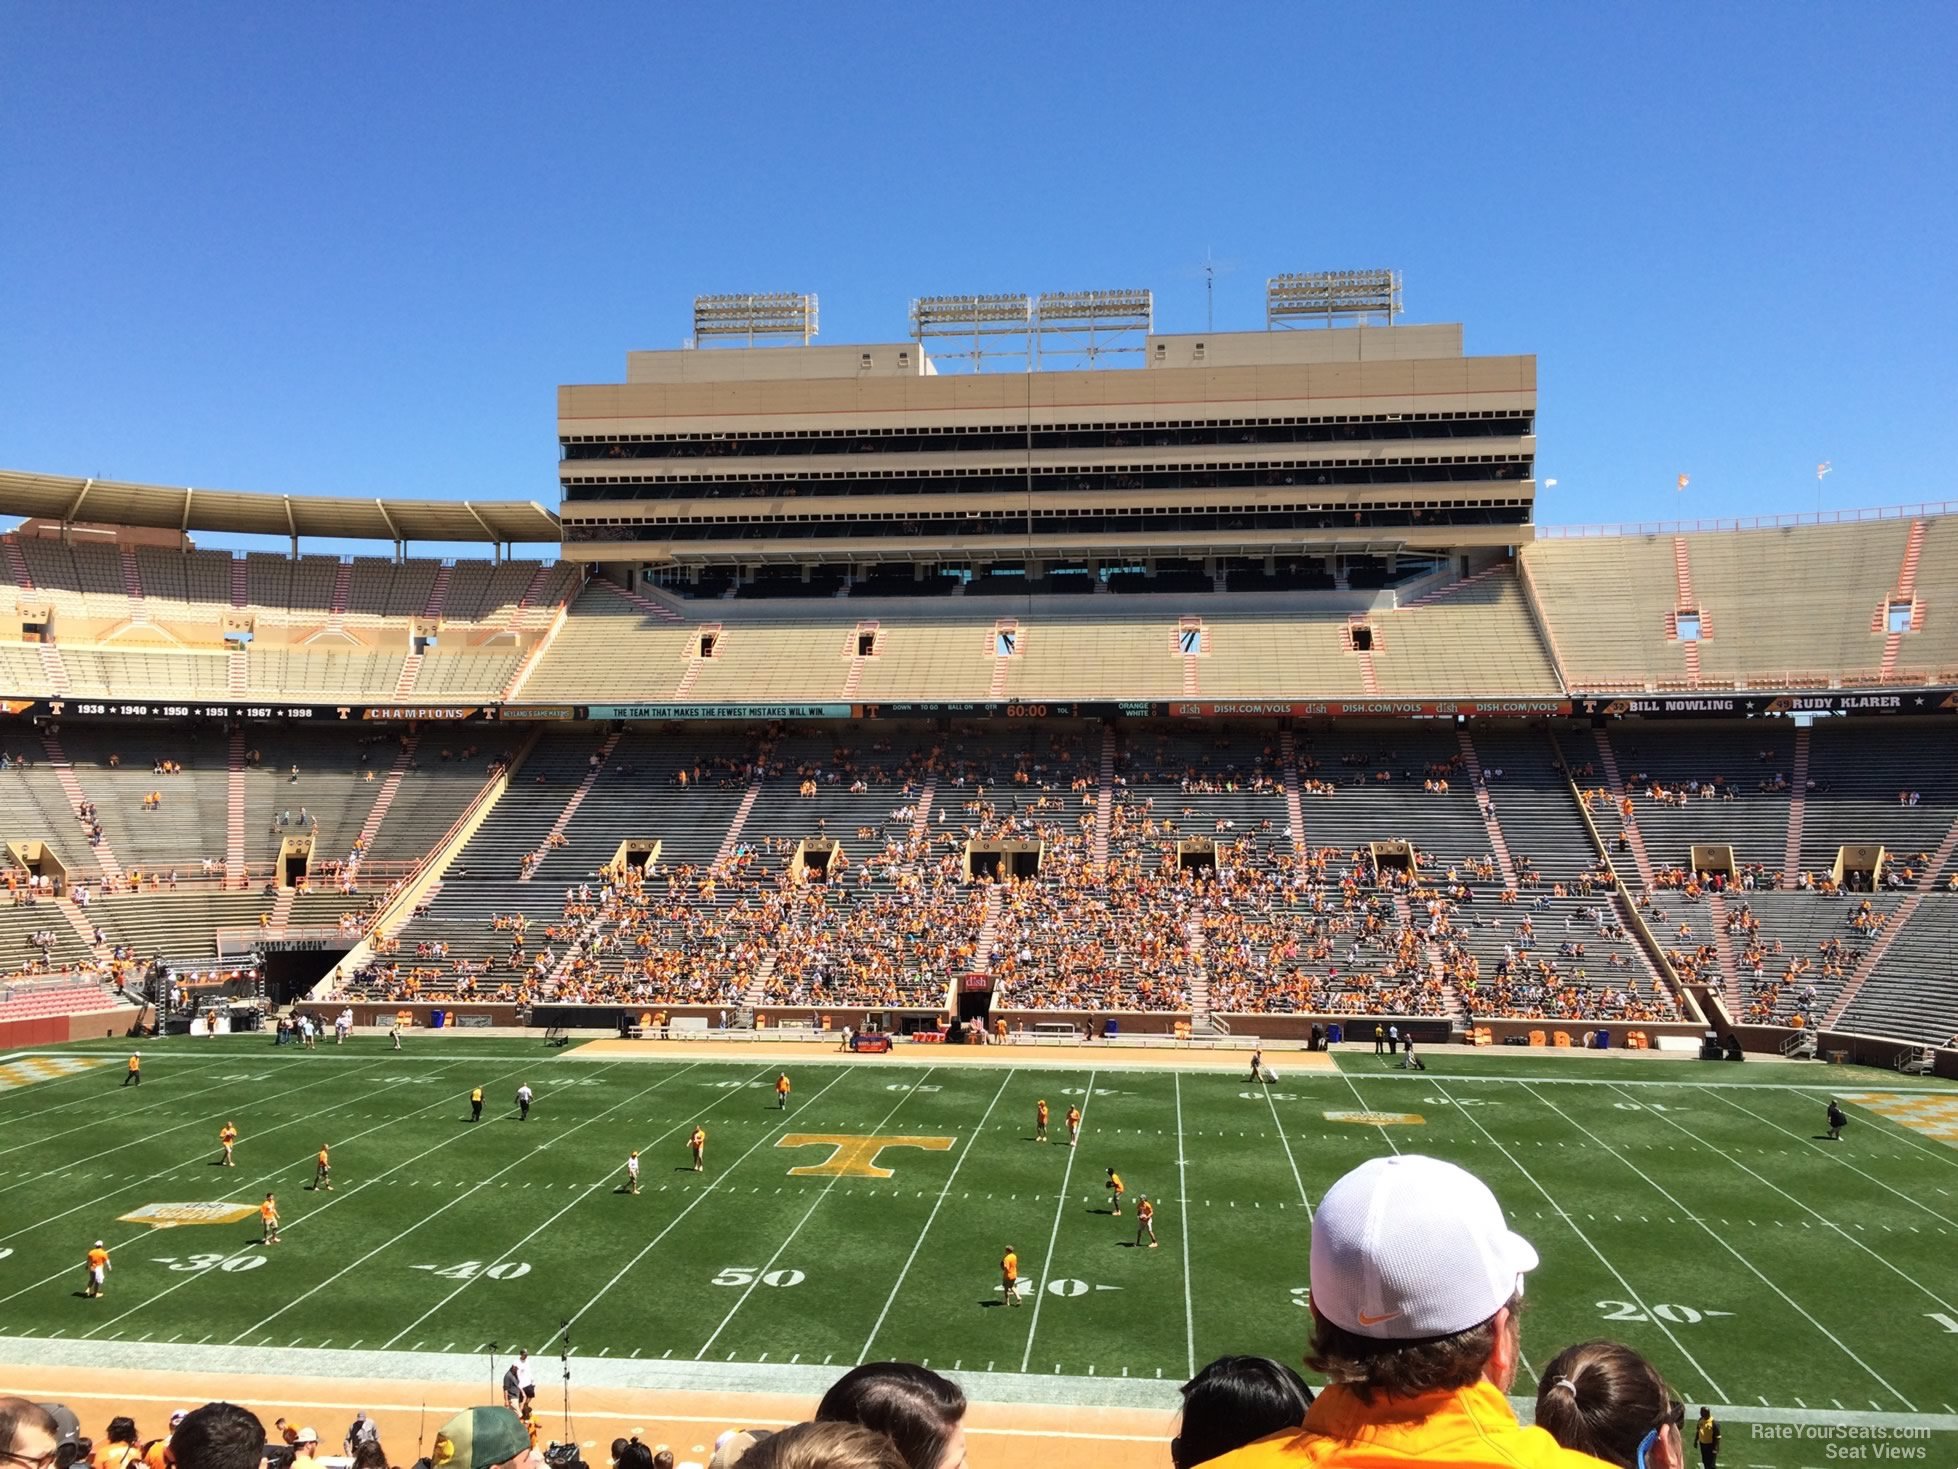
[1748, 522]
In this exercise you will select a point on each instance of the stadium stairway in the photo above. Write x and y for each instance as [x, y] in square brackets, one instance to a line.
[385, 797]
[596, 768]
[281, 917]
[71, 787]
[411, 672]
[1497, 846]
[1608, 763]
[1926, 884]
[1105, 801]
[17, 562]
[1723, 946]
[982, 954]
[1288, 754]
[84, 930]
[1458, 1021]
[649, 605]
[52, 667]
[732, 836]
[438, 590]
[756, 992]
[1906, 592]
[921, 819]
[132, 585]
[1200, 1018]
[234, 822]
[1791, 859]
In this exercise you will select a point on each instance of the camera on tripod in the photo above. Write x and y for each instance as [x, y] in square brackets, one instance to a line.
[564, 1456]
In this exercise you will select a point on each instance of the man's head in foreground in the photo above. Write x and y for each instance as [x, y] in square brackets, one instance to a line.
[219, 1436]
[483, 1438]
[1416, 1281]
[29, 1437]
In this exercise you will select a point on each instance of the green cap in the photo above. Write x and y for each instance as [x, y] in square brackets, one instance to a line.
[479, 1437]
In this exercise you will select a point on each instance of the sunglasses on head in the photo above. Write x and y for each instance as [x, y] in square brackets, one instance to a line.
[1674, 1417]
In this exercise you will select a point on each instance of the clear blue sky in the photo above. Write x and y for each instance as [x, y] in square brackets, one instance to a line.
[352, 249]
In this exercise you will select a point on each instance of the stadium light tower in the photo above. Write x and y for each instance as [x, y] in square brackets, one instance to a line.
[980, 318]
[754, 316]
[1332, 297]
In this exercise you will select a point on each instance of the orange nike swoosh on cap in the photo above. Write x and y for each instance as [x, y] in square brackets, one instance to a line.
[1366, 1320]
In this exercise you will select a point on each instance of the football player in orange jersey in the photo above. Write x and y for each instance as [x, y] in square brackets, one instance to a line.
[1145, 1221]
[1040, 1120]
[698, 1143]
[1114, 1186]
[98, 1270]
[1073, 1126]
[227, 1138]
[268, 1218]
[1009, 1276]
[323, 1171]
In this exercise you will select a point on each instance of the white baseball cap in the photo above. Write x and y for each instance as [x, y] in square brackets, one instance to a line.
[1409, 1247]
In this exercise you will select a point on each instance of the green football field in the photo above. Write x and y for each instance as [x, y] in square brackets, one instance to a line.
[1686, 1209]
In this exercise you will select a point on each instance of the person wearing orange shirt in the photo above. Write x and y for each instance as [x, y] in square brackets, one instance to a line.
[1040, 1121]
[782, 1091]
[1114, 1186]
[98, 1270]
[1009, 1276]
[1073, 1126]
[697, 1142]
[1416, 1280]
[228, 1138]
[268, 1218]
[160, 1455]
[134, 1075]
[1145, 1221]
[323, 1171]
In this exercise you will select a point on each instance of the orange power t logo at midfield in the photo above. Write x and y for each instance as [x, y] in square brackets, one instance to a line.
[854, 1155]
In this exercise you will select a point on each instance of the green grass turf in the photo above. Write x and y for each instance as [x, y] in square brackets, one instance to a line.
[1658, 1196]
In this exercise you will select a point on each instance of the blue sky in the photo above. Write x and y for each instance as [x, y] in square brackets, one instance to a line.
[352, 249]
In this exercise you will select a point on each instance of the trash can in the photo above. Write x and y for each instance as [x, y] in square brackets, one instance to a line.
[1111, 1028]
[436, 1019]
[1603, 1042]
[1335, 1034]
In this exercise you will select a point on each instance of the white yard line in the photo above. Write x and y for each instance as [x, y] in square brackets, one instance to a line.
[1842, 1158]
[1894, 1129]
[508, 1254]
[1719, 1239]
[149, 1136]
[931, 1218]
[1820, 1218]
[1060, 1203]
[1183, 1187]
[1603, 1259]
[788, 1239]
[251, 1187]
[700, 1198]
[1287, 1142]
[165, 1172]
[102, 1073]
[1380, 1127]
[436, 1213]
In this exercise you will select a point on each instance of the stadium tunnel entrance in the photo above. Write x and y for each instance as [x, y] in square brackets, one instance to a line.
[292, 970]
[975, 998]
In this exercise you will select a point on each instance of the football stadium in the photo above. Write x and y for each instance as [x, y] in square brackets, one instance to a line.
[1188, 752]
